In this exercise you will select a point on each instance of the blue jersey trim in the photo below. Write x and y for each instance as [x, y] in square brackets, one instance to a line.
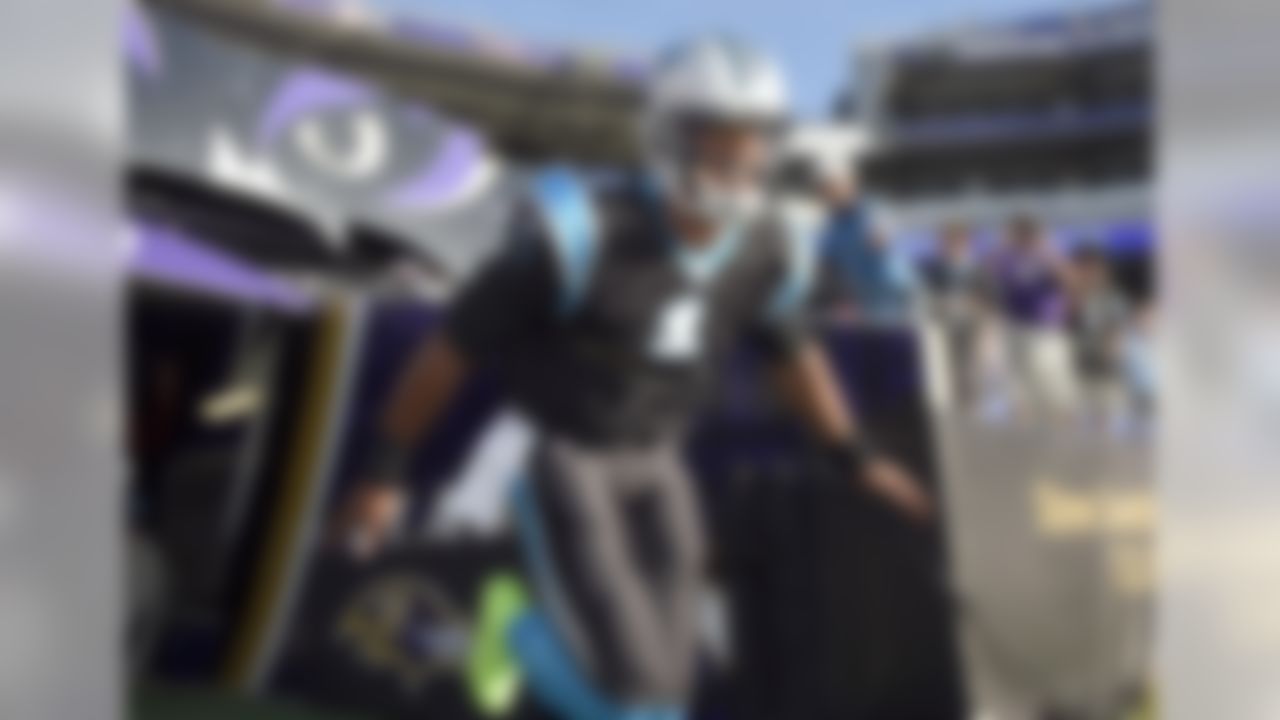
[794, 290]
[699, 264]
[702, 264]
[567, 208]
[533, 540]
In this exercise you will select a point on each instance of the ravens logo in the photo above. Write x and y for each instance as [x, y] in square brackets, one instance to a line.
[406, 626]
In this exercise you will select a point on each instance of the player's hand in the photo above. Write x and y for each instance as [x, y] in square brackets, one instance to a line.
[891, 483]
[368, 518]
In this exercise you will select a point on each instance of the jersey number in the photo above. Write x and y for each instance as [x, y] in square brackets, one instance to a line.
[677, 336]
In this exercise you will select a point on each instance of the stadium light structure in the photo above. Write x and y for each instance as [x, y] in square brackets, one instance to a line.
[528, 113]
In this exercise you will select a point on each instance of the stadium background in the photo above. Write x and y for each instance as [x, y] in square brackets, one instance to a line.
[306, 188]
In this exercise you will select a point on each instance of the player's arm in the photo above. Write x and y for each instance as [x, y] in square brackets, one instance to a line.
[500, 308]
[422, 395]
[809, 386]
[812, 390]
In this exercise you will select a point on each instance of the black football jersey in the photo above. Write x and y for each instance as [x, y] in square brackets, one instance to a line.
[634, 355]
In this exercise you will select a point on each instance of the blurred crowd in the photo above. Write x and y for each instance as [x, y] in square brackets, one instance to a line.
[1025, 322]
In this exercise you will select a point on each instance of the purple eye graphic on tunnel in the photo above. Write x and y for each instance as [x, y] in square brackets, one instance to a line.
[339, 135]
[142, 50]
[305, 93]
[458, 165]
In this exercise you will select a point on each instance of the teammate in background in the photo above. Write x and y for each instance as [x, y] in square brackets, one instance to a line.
[1030, 281]
[1138, 358]
[959, 300]
[1098, 321]
[858, 253]
[607, 315]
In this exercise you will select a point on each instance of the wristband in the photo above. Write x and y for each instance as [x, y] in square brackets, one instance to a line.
[851, 456]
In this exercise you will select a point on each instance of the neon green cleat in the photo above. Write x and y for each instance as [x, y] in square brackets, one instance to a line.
[493, 675]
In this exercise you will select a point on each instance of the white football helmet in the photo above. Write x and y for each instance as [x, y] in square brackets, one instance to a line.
[717, 79]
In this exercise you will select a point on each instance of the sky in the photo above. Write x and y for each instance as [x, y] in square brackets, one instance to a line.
[813, 38]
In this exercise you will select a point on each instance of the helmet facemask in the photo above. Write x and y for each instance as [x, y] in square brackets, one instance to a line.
[714, 113]
[715, 169]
